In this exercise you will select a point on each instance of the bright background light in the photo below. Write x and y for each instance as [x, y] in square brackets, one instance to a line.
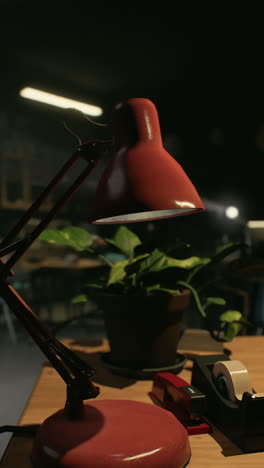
[232, 212]
[60, 101]
[255, 224]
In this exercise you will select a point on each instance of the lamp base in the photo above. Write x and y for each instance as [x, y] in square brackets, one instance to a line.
[112, 434]
[143, 373]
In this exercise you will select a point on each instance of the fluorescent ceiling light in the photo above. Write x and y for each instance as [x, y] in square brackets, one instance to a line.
[59, 101]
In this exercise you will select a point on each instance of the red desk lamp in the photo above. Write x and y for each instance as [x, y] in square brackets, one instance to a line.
[142, 182]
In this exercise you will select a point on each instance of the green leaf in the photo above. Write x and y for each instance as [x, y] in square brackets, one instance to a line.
[117, 272]
[186, 263]
[77, 238]
[125, 240]
[234, 322]
[139, 257]
[216, 300]
[134, 265]
[158, 261]
[232, 330]
[53, 236]
[80, 298]
[231, 316]
[154, 262]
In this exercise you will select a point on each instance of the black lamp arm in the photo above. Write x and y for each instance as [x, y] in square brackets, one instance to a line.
[73, 370]
[91, 152]
[14, 246]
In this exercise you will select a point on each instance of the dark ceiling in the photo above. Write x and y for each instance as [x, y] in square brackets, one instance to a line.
[204, 73]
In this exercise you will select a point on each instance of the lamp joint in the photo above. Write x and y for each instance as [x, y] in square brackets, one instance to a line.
[79, 389]
[92, 150]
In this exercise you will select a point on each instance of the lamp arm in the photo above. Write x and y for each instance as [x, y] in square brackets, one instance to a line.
[74, 371]
[33, 325]
[91, 152]
[11, 247]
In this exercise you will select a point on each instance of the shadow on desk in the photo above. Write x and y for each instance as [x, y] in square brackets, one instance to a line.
[103, 375]
[229, 449]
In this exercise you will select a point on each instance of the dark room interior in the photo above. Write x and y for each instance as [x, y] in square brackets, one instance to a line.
[204, 73]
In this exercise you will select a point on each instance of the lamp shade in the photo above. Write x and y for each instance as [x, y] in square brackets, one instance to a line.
[142, 181]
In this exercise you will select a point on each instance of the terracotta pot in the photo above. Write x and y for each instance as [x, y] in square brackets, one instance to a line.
[143, 330]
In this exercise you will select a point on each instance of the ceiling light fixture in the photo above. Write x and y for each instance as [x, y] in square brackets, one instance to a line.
[59, 101]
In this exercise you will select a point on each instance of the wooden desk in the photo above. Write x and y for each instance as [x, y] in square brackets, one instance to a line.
[207, 450]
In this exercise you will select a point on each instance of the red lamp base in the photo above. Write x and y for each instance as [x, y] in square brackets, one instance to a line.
[112, 434]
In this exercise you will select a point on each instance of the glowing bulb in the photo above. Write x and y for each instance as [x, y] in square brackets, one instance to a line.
[232, 212]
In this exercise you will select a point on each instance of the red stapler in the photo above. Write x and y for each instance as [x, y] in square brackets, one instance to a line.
[182, 399]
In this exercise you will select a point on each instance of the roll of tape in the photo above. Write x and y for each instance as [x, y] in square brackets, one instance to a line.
[236, 378]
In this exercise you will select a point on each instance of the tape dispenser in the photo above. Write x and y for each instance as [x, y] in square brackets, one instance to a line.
[232, 405]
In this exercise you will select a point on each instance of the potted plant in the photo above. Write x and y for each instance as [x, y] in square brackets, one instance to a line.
[144, 292]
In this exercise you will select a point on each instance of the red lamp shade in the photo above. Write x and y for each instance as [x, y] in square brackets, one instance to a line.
[143, 181]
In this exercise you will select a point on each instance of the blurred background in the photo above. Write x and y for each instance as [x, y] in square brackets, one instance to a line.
[203, 71]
